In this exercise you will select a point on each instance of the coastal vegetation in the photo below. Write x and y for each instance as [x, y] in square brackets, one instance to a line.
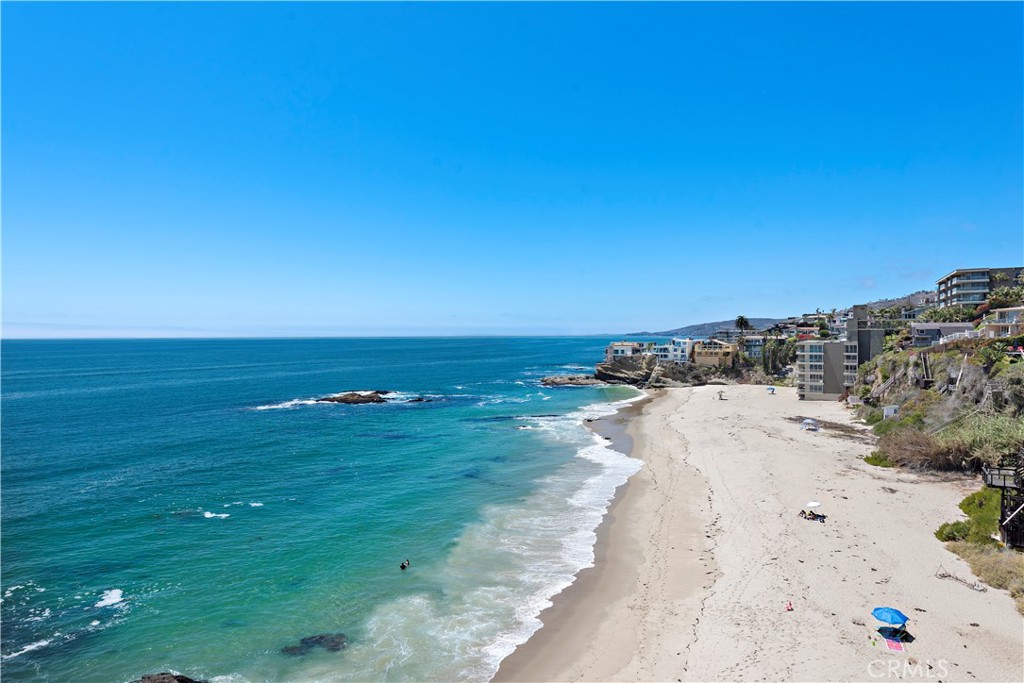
[973, 540]
[967, 412]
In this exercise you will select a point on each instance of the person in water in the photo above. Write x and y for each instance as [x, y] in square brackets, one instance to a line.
[404, 565]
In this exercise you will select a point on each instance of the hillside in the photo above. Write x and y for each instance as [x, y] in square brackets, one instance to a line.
[705, 329]
[910, 300]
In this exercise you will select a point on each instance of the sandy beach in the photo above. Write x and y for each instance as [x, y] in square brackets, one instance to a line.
[704, 547]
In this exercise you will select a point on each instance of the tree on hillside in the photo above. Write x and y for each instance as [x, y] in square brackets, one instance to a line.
[1004, 297]
[950, 314]
[742, 323]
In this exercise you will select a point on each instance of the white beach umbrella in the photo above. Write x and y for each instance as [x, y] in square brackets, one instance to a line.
[813, 504]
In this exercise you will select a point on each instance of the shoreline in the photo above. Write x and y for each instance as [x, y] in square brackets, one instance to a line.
[701, 549]
[587, 583]
[579, 613]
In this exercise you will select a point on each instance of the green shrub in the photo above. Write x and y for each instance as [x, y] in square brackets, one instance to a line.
[878, 460]
[984, 439]
[953, 531]
[983, 509]
[874, 416]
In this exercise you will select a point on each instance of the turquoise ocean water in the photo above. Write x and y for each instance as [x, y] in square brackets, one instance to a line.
[184, 505]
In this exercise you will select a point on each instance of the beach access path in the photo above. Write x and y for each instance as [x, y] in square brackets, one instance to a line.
[704, 547]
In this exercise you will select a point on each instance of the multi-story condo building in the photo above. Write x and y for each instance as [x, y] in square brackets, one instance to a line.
[825, 369]
[1003, 322]
[970, 286]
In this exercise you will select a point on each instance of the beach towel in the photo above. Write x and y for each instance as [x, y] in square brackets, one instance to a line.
[895, 645]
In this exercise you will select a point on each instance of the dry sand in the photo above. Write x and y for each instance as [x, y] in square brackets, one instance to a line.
[703, 548]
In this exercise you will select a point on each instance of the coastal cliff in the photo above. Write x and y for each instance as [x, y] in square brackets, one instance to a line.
[644, 371]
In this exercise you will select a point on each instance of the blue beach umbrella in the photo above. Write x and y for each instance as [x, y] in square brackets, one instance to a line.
[890, 615]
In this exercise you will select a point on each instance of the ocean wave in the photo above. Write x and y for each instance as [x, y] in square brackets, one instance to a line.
[211, 515]
[504, 570]
[28, 648]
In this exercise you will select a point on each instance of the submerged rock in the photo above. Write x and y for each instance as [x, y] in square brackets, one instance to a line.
[332, 642]
[328, 641]
[419, 399]
[356, 397]
[168, 678]
[571, 381]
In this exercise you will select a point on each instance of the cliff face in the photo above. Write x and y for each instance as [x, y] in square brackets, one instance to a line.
[644, 371]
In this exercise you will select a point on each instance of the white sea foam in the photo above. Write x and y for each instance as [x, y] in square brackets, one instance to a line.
[211, 515]
[94, 622]
[504, 570]
[294, 403]
[39, 616]
[28, 648]
[10, 591]
[389, 397]
[255, 505]
[110, 597]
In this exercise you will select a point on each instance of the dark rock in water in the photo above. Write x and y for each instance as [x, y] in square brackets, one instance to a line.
[329, 641]
[571, 381]
[332, 642]
[355, 397]
[168, 678]
[419, 399]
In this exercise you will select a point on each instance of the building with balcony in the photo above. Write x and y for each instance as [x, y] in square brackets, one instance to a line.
[971, 286]
[1003, 322]
[825, 369]
[674, 351]
[713, 352]
[929, 334]
[622, 349]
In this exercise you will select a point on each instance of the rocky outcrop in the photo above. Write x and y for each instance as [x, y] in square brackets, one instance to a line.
[332, 642]
[167, 678]
[634, 370]
[355, 397]
[571, 381]
[645, 372]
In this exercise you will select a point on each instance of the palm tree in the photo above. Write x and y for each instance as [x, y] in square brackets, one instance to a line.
[742, 323]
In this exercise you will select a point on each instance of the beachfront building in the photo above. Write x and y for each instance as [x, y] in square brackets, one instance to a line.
[929, 334]
[971, 286]
[866, 333]
[753, 346]
[622, 349]
[825, 369]
[713, 352]
[676, 350]
[1003, 322]
[730, 335]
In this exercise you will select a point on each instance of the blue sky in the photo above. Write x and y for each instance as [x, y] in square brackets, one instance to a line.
[204, 169]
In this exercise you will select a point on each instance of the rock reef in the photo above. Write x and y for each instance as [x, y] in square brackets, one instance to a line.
[356, 397]
[571, 381]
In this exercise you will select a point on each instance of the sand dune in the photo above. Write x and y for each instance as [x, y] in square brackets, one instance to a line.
[704, 548]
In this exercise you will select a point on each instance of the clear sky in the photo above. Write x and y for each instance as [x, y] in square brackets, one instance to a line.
[233, 169]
